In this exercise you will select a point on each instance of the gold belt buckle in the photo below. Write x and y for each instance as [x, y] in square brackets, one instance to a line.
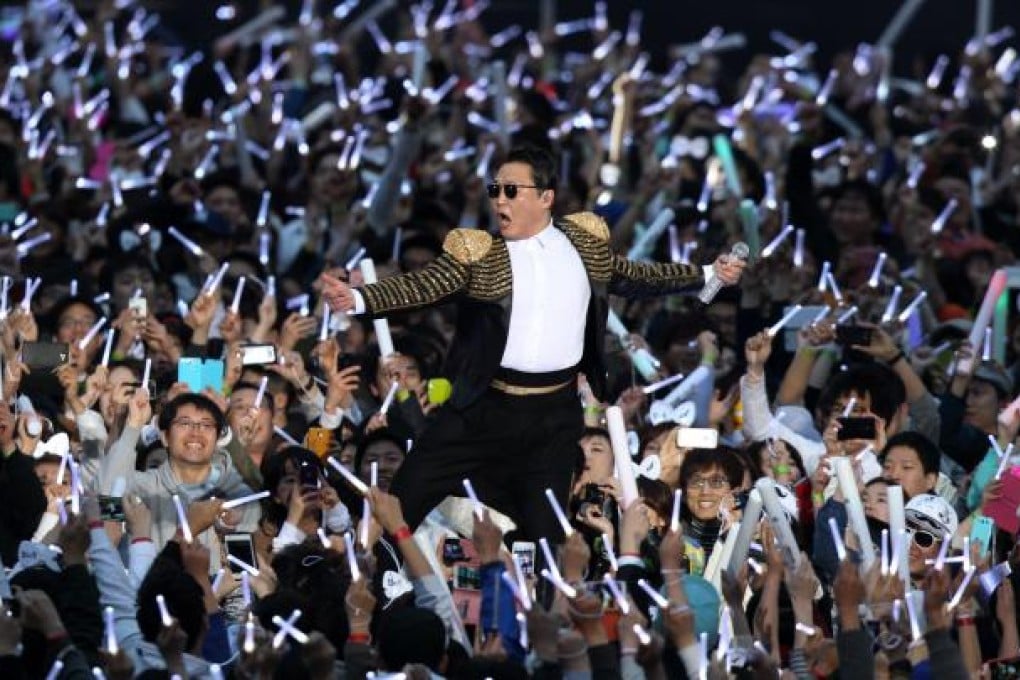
[521, 391]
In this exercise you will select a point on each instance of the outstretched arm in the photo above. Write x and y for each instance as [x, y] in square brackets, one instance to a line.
[644, 279]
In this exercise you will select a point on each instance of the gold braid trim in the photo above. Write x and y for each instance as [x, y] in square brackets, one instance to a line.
[591, 223]
[443, 277]
[468, 246]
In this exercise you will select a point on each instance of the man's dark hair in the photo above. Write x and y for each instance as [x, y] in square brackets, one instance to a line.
[199, 401]
[864, 190]
[411, 635]
[543, 165]
[724, 458]
[183, 596]
[928, 453]
[878, 381]
[383, 434]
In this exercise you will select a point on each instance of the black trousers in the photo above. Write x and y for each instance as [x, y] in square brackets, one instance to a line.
[511, 448]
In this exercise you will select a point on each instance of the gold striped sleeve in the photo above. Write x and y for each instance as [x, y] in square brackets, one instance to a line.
[443, 277]
[645, 279]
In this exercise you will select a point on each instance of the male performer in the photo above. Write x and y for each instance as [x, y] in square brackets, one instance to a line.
[533, 312]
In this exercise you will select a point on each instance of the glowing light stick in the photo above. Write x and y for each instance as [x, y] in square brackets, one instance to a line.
[348, 476]
[621, 456]
[912, 307]
[748, 524]
[780, 522]
[876, 272]
[382, 326]
[778, 326]
[182, 519]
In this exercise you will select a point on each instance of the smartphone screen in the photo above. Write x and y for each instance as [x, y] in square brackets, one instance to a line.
[856, 428]
[242, 548]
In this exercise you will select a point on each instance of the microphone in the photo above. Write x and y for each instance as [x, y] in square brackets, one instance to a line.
[714, 283]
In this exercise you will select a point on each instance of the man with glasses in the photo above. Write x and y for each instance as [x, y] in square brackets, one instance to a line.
[533, 307]
[196, 470]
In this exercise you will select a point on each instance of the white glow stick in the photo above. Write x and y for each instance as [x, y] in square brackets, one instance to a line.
[561, 516]
[244, 500]
[899, 21]
[1004, 461]
[388, 401]
[614, 588]
[996, 286]
[324, 328]
[641, 358]
[665, 382]
[674, 520]
[164, 613]
[110, 632]
[909, 310]
[894, 301]
[287, 629]
[837, 540]
[248, 569]
[217, 278]
[915, 626]
[849, 408]
[84, 342]
[777, 241]
[246, 589]
[382, 326]
[235, 305]
[780, 522]
[986, 349]
[836, 292]
[885, 552]
[348, 476]
[188, 244]
[778, 326]
[477, 504]
[969, 572]
[182, 518]
[55, 670]
[522, 583]
[823, 277]
[352, 558]
[845, 316]
[218, 580]
[748, 526]
[621, 456]
[855, 509]
[482, 171]
[644, 243]
[284, 435]
[660, 601]
[897, 527]
[876, 272]
[261, 393]
[561, 585]
[943, 216]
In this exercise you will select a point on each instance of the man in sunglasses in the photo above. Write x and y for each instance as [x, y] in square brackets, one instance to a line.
[929, 518]
[533, 311]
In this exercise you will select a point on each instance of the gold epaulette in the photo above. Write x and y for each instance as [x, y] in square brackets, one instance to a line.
[591, 223]
[468, 246]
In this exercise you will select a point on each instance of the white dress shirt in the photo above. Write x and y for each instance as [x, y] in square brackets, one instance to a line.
[550, 304]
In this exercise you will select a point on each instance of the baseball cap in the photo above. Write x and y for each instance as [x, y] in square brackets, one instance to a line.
[991, 372]
[931, 513]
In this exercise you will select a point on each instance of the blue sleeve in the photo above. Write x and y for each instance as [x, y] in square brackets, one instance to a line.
[216, 646]
[499, 611]
[824, 554]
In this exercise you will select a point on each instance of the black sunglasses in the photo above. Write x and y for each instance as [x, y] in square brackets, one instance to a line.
[924, 539]
[510, 190]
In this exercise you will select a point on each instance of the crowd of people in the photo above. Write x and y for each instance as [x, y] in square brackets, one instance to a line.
[817, 475]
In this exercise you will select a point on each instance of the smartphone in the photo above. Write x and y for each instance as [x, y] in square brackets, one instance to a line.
[697, 438]
[189, 371]
[308, 476]
[453, 552]
[139, 306]
[242, 548]
[258, 355]
[525, 553]
[848, 336]
[856, 428]
[111, 508]
[318, 439]
[1003, 669]
[347, 360]
[467, 578]
[1003, 508]
[982, 529]
[45, 355]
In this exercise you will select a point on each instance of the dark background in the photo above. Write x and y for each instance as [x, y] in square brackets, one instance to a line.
[939, 26]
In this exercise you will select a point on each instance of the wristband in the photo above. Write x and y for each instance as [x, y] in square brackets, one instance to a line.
[402, 534]
[141, 539]
[964, 620]
[359, 638]
[310, 384]
[895, 359]
[96, 524]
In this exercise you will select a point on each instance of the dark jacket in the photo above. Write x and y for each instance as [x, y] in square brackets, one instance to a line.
[23, 504]
[474, 270]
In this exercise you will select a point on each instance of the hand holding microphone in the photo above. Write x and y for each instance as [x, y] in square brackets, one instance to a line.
[726, 271]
